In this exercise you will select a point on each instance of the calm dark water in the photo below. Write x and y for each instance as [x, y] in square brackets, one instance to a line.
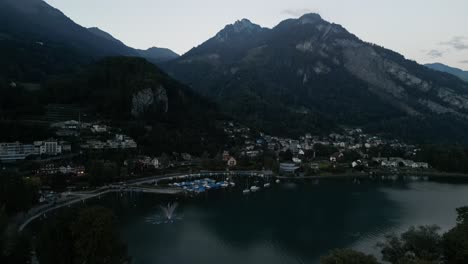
[288, 223]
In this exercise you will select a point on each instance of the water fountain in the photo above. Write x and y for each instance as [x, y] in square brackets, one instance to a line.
[169, 210]
[168, 215]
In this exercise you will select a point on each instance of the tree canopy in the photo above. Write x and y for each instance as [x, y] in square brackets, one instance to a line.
[91, 237]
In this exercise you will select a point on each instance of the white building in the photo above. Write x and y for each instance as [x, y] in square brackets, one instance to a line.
[296, 160]
[288, 167]
[48, 147]
[150, 162]
[17, 151]
[186, 156]
[98, 128]
[389, 163]
[10, 152]
[119, 142]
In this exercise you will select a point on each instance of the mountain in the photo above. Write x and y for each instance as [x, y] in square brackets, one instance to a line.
[230, 43]
[158, 55]
[35, 19]
[154, 54]
[37, 40]
[308, 74]
[48, 59]
[139, 89]
[103, 34]
[136, 96]
[454, 71]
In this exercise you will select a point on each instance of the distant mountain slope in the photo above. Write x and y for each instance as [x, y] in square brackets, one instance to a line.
[101, 33]
[454, 71]
[154, 54]
[158, 55]
[35, 19]
[308, 74]
[37, 40]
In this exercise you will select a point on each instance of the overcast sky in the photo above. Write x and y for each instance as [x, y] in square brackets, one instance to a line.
[422, 30]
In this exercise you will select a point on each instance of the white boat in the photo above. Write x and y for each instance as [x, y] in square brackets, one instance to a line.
[266, 185]
[232, 184]
[246, 191]
[278, 181]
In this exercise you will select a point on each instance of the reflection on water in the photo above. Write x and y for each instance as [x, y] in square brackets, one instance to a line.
[420, 203]
[288, 223]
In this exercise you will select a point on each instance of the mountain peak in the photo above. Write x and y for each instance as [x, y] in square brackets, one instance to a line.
[244, 25]
[310, 18]
[158, 55]
[240, 27]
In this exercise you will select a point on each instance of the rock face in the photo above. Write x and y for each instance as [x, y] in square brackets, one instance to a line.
[149, 98]
[129, 89]
[265, 75]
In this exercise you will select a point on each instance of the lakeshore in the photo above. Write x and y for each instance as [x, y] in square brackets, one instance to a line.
[152, 185]
[361, 175]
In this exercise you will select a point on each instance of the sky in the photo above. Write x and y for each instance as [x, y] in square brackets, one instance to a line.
[422, 30]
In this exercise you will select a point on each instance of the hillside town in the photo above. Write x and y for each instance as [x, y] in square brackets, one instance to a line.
[352, 148]
[87, 153]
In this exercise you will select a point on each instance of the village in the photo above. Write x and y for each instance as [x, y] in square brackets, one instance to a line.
[352, 149]
[83, 154]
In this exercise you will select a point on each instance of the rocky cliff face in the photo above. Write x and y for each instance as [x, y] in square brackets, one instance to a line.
[150, 98]
[391, 78]
[129, 89]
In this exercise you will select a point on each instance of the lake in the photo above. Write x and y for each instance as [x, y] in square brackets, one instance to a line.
[287, 223]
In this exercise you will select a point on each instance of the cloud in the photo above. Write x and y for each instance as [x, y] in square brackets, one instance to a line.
[435, 53]
[457, 43]
[298, 12]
